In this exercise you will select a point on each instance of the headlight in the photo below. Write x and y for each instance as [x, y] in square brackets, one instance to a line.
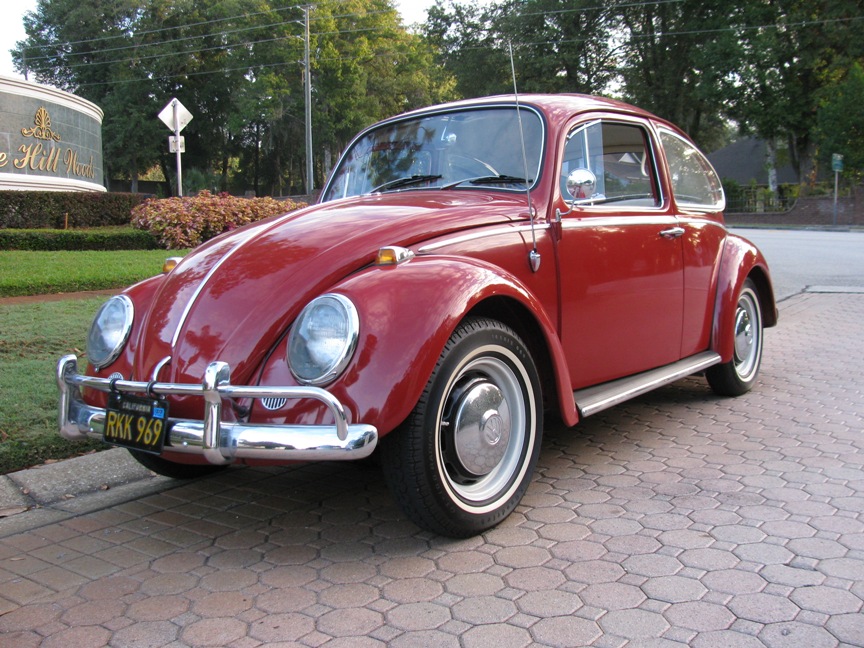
[323, 339]
[109, 331]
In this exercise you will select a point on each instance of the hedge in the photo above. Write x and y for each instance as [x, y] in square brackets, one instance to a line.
[63, 209]
[44, 240]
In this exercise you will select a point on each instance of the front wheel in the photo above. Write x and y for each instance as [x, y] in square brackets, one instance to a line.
[738, 376]
[464, 457]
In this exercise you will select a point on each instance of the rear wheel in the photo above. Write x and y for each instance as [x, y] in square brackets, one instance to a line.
[464, 458]
[173, 469]
[738, 376]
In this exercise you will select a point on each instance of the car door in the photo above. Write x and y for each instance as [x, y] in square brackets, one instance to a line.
[620, 255]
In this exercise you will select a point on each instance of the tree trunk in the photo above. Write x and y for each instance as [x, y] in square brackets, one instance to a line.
[771, 165]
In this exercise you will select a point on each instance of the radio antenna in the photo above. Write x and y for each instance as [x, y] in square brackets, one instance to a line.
[534, 255]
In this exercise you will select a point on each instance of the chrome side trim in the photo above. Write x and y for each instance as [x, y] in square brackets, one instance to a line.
[596, 399]
[219, 441]
[597, 221]
[483, 233]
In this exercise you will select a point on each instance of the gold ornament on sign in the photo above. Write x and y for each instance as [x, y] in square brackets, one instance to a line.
[42, 129]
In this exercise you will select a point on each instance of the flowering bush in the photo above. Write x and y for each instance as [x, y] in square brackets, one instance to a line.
[178, 223]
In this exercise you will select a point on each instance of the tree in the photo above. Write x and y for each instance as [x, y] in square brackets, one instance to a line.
[237, 65]
[793, 51]
[558, 45]
[84, 46]
[680, 62]
[840, 122]
[561, 45]
[366, 67]
[469, 48]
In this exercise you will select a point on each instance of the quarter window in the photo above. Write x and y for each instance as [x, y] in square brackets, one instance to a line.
[694, 181]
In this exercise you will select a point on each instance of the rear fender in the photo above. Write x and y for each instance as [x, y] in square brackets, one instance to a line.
[740, 260]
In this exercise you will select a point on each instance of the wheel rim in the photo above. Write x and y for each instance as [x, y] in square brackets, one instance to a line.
[482, 432]
[748, 335]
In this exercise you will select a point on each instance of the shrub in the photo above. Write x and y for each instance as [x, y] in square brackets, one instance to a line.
[62, 209]
[178, 223]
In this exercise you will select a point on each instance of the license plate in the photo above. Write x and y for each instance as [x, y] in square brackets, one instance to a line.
[137, 423]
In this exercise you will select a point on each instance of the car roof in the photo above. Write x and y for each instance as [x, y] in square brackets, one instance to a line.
[547, 103]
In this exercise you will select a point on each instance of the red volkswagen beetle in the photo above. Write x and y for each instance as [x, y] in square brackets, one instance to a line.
[468, 267]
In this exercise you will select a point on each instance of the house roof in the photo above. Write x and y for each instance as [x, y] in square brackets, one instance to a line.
[744, 162]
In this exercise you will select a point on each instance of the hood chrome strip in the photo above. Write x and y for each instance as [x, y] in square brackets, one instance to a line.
[253, 233]
[485, 233]
[194, 298]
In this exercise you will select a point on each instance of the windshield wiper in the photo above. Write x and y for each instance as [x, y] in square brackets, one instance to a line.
[405, 182]
[488, 180]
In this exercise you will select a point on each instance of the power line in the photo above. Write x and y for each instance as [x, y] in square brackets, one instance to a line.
[161, 30]
[246, 16]
[251, 43]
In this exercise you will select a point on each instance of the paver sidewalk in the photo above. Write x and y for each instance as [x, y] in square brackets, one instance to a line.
[679, 519]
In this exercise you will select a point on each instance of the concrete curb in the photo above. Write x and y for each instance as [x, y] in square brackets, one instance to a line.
[53, 492]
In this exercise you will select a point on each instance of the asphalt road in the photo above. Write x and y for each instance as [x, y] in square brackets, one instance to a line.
[801, 259]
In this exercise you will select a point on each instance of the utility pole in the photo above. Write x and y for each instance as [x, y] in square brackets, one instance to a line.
[307, 69]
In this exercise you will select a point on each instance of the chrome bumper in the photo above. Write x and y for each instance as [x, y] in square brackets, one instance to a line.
[218, 441]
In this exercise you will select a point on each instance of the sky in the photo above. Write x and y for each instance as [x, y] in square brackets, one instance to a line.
[11, 31]
[12, 28]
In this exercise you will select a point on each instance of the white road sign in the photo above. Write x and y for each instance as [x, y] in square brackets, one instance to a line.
[183, 115]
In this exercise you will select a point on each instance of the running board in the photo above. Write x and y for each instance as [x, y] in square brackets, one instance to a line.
[596, 399]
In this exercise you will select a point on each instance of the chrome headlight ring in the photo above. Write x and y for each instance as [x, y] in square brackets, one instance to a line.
[323, 339]
[110, 330]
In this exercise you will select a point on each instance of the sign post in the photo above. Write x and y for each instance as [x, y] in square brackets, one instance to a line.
[175, 116]
[837, 166]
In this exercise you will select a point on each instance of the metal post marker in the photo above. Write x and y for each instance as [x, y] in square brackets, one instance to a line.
[310, 181]
[837, 166]
[175, 116]
[174, 103]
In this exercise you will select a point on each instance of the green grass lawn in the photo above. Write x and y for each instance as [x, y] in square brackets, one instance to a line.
[36, 273]
[34, 336]
[32, 339]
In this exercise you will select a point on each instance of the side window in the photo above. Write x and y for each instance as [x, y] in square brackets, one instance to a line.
[619, 157]
[694, 181]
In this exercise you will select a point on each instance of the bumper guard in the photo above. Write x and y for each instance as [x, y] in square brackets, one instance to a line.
[218, 441]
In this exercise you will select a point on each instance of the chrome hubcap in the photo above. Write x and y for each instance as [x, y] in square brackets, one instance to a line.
[480, 429]
[747, 336]
[743, 335]
[483, 431]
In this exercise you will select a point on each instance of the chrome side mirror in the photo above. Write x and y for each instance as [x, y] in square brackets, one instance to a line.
[581, 184]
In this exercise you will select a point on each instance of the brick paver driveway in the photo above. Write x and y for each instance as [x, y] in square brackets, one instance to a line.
[677, 519]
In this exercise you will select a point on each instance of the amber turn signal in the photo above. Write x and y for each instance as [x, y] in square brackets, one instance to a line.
[170, 264]
[393, 255]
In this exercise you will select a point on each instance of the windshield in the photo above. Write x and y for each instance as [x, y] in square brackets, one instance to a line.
[468, 148]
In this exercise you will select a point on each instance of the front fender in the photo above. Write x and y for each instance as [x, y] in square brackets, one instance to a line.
[740, 260]
[407, 314]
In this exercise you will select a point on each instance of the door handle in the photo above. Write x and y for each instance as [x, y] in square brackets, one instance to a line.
[672, 233]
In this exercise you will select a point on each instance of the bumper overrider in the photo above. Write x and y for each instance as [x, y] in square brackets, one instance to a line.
[218, 441]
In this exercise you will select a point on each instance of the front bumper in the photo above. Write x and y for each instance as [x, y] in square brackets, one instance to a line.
[220, 442]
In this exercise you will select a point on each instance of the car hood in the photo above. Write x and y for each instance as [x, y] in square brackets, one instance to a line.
[232, 298]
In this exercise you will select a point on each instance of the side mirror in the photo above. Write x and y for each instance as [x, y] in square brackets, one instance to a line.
[581, 185]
